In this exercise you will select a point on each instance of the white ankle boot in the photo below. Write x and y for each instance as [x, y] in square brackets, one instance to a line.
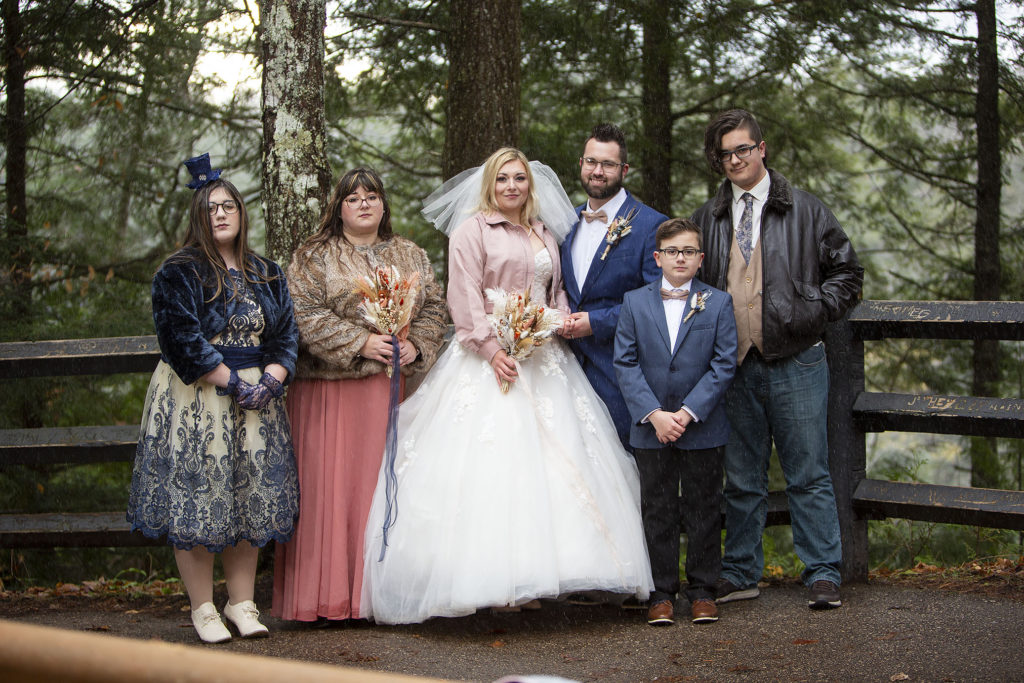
[208, 624]
[246, 619]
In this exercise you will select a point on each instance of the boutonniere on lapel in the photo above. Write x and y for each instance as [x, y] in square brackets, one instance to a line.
[697, 303]
[618, 229]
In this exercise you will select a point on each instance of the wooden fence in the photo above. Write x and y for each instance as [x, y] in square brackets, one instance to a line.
[852, 413]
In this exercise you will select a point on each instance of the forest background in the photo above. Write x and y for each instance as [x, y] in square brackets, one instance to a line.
[905, 117]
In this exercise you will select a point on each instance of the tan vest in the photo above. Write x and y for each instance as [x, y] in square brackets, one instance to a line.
[745, 283]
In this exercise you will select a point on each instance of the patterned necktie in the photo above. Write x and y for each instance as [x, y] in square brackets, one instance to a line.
[593, 215]
[745, 230]
[674, 294]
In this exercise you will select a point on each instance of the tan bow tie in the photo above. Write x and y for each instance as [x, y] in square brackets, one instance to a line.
[594, 215]
[673, 294]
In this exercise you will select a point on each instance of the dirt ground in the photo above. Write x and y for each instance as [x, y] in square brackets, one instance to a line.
[923, 625]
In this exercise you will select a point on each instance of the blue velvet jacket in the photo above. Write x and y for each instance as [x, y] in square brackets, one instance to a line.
[185, 320]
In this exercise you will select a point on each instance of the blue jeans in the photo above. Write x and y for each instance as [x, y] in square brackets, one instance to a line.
[785, 400]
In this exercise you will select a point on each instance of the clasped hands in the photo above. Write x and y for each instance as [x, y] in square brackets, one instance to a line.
[378, 347]
[669, 426]
[253, 396]
[576, 325]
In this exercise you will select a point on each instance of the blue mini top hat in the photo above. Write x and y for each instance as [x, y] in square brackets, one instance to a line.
[201, 172]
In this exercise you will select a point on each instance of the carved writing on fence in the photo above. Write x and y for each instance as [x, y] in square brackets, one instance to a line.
[965, 404]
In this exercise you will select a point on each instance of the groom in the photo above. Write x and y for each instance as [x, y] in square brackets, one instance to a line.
[599, 266]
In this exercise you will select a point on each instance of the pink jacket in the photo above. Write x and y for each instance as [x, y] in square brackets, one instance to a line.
[487, 251]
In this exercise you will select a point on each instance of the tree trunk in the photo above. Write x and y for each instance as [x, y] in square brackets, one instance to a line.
[484, 81]
[656, 115]
[16, 139]
[985, 470]
[296, 175]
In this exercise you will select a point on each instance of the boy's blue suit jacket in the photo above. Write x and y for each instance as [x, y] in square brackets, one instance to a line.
[695, 373]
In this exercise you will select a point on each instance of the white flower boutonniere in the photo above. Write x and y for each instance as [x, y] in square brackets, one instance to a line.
[698, 302]
[618, 229]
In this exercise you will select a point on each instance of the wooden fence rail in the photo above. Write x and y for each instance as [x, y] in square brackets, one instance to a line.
[853, 412]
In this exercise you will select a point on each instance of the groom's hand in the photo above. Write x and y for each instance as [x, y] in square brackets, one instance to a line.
[577, 325]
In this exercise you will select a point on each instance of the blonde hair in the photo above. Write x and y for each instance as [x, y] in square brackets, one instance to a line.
[488, 199]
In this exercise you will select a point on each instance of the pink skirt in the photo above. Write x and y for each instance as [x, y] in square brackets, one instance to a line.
[338, 428]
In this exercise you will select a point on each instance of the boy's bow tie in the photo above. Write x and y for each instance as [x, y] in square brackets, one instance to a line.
[674, 294]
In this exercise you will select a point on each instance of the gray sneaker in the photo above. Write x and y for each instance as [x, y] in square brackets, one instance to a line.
[727, 591]
[824, 595]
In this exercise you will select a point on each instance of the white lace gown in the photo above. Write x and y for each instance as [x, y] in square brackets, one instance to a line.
[503, 498]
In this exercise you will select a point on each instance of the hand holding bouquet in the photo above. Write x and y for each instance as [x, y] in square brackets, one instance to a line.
[520, 325]
[387, 303]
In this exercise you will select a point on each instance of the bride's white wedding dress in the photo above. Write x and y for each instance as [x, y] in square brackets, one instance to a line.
[503, 498]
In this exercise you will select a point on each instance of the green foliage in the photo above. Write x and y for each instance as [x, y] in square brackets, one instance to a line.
[902, 543]
[115, 103]
[133, 569]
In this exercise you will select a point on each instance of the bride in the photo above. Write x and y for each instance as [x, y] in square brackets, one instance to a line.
[497, 499]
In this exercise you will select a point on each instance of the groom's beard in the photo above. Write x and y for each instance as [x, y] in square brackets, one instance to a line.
[601, 192]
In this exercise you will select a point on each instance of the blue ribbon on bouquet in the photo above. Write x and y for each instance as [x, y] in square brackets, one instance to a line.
[391, 450]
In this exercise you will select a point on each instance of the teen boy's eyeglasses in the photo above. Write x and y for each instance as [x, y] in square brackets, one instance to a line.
[740, 152]
[687, 252]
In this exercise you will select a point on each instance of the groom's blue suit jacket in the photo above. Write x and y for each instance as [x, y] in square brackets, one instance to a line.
[629, 264]
[695, 372]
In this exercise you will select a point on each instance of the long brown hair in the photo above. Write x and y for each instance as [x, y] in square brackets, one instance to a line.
[199, 245]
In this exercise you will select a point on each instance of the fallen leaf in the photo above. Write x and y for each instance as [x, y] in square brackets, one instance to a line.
[899, 677]
[497, 643]
[804, 641]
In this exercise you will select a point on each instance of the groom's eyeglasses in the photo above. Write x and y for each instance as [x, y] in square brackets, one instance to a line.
[608, 166]
[687, 252]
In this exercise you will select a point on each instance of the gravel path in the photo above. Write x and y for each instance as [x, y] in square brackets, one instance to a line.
[882, 633]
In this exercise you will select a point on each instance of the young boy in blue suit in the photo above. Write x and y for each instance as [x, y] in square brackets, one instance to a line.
[675, 355]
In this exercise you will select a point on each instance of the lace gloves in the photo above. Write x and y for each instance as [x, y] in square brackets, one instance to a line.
[252, 396]
[257, 396]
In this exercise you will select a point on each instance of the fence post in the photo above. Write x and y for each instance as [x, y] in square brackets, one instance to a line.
[847, 456]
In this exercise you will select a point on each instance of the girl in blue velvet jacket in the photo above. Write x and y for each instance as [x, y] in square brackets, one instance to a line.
[214, 467]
